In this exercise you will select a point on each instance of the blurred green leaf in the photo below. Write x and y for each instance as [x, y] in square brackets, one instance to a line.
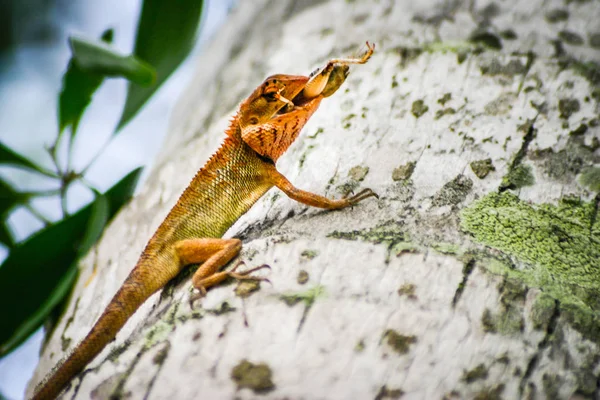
[96, 57]
[165, 35]
[35, 320]
[8, 199]
[96, 224]
[6, 236]
[8, 156]
[77, 90]
[38, 273]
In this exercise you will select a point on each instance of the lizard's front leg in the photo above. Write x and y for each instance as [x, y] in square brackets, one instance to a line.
[316, 200]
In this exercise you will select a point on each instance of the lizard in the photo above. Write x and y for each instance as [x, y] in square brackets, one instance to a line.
[240, 172]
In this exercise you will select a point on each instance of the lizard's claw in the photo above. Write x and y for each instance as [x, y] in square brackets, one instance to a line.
[198, 295]
[363, 194]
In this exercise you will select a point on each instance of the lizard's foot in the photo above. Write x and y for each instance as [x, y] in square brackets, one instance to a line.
[360, 196]
[220, 276]
[245, 275]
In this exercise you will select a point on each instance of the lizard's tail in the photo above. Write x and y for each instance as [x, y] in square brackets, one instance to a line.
[129, 297]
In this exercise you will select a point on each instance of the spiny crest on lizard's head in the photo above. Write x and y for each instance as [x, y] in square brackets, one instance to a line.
[264, 103]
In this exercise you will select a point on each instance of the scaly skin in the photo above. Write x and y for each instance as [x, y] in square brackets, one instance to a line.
[235, 177]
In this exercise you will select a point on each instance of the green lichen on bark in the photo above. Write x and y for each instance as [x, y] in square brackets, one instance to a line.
[307, 297]
[389, 232]
[453, 192]
[590, 179]
[556, 248]
[542, 311]
[518, 177]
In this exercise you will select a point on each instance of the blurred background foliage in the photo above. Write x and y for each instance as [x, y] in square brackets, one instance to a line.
[40, 263]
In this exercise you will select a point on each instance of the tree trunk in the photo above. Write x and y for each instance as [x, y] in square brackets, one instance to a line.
[476, 273]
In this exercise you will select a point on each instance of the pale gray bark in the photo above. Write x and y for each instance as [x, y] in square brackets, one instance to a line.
[399, 300]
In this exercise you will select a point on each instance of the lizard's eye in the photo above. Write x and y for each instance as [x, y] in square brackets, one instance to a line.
[253, 121]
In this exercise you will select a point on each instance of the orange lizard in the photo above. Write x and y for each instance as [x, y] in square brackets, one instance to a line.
[235, 177]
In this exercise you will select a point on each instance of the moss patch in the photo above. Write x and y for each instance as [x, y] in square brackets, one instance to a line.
[567, 107]
[308, 297]
[358, 173]
[257, 377]
[542, 311]
[246, 287]
[594, 39]
[158, 333]
[477, 373]
[552, 384]
[388, 393]
[453, 192]
[557, 15]
[308, 254]
[161, 355]
[491, 393]
[403, 172]
[571, 37]
[400, 343]
[496, 67]
[360, 346]
[486, 37]
[590, 70]
[444, 111]
[445, 98]
[501, 105]
[408, 290]
[419, 108]
[482, 168]
[509, 319]
[389, 233]
[590, 179]
[302, 277]
[520, 176]
[447, 248]
[223, 309]
[563, 165]
[557, 249]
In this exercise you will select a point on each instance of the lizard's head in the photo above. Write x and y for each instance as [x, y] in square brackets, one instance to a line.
[266, 100]
[276, 97]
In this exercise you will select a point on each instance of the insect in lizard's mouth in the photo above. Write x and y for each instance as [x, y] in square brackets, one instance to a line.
[336, 78]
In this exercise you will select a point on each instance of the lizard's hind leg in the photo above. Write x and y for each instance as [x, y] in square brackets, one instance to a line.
[213, 254]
